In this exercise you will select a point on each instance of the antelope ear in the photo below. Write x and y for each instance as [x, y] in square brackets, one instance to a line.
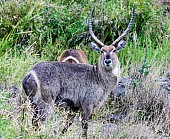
[121, 45]
[95, 47]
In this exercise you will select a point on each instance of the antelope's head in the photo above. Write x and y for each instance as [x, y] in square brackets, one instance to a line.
[109, 57]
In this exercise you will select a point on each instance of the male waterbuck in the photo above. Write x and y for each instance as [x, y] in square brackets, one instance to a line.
[73, 56]
[77, 86]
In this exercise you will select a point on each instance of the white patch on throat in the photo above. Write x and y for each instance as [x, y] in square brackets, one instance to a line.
[116, 71]
[71, 58]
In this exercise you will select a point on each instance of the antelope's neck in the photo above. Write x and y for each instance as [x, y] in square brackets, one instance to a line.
[109, 78]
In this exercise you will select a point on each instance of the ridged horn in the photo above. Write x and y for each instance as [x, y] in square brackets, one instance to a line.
[127, 29]
[91, 30]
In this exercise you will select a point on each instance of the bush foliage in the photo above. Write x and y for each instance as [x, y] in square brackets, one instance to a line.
[32, 31]
[51, 26]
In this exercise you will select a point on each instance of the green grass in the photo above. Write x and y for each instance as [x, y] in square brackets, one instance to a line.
[39, 30]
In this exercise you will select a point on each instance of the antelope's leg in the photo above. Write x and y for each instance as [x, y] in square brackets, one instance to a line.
[35, 116]
[40, 113]
[70, 118]
[85, 117]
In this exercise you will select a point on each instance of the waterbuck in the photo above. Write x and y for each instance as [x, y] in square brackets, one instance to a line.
[73, 56]
[77, 86]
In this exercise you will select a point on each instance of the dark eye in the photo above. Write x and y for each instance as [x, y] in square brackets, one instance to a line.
[114, 50]
[101, 51]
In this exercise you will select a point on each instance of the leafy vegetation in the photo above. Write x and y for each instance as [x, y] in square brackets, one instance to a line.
[39, 30]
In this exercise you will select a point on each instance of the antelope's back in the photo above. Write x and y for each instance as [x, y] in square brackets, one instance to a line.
[73, 56]
[47, 80]
[52, 73]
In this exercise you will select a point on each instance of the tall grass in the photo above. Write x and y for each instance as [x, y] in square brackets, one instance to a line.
[32, 31]
[50, 26]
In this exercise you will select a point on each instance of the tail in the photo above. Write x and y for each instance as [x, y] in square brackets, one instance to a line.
[22, 102]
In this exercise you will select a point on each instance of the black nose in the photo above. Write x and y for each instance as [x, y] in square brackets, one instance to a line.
[107, 61]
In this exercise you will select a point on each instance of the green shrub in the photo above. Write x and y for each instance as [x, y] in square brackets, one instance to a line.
[51, 26]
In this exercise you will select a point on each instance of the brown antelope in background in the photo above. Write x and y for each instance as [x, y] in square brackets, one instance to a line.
[73, 56]
[78, 86]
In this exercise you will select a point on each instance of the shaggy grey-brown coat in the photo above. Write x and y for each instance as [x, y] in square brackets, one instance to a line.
[77, 85]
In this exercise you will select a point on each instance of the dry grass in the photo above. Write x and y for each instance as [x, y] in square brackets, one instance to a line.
[144, 113]
[146, 105]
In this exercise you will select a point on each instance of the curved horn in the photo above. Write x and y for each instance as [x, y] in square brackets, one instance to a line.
[127, 29]
[91, 30]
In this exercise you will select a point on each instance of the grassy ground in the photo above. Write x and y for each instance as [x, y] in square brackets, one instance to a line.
[39, 30]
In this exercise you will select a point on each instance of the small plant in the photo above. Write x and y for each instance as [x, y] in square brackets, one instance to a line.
[32, 31]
